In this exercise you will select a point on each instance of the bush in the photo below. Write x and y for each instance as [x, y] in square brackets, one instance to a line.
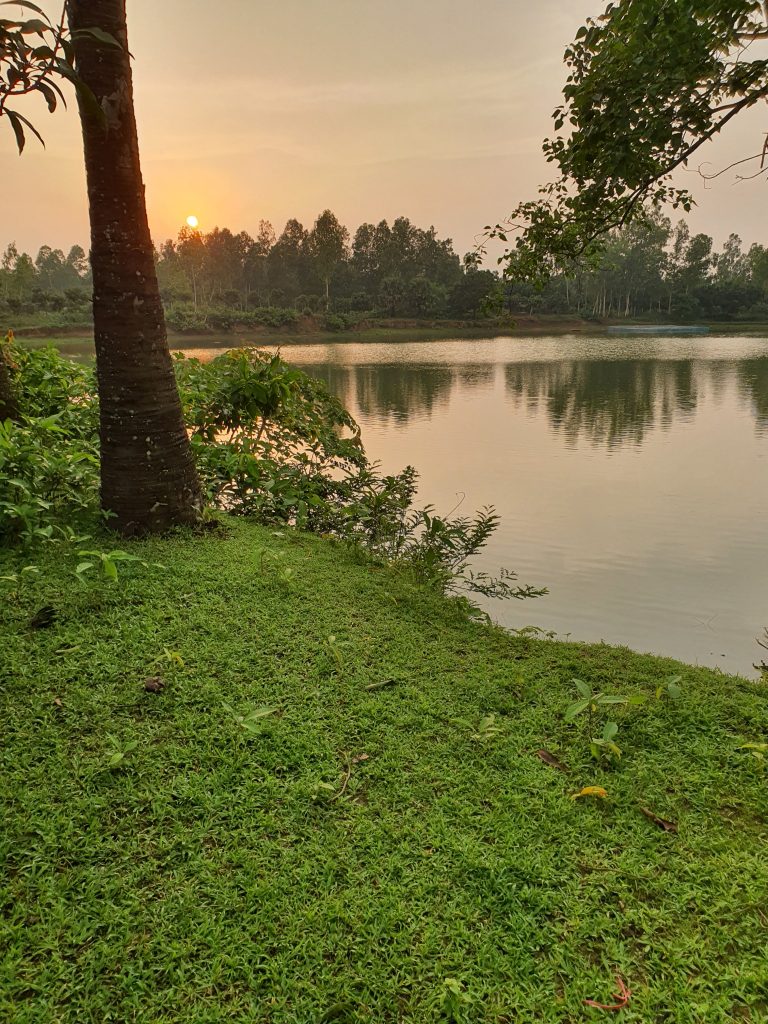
[49, 460]
[270, 442]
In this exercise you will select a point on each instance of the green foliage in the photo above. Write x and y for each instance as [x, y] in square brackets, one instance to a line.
[189, 320]
[106, 562]
[119, 751]
[649, 82]
[604, 746]
[438, 550]
[48, 460]
[198, 880]
[270, 442]
[35, 55]
[251, 722]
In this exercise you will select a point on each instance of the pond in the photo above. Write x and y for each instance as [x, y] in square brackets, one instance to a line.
[631, 474]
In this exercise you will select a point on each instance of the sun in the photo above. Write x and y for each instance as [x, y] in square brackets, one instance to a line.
[192, 220]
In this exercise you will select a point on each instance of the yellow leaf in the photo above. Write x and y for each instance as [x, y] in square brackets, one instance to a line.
[591, 791]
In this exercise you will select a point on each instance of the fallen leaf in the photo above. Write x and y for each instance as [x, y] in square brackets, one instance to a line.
[57, 701]
[43, 618]
[622, 995]
[662, 823]
[590, 791]
[360, 757]
[551, 760]
[154, 684]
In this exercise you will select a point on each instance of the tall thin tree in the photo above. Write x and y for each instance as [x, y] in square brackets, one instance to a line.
[148, 477]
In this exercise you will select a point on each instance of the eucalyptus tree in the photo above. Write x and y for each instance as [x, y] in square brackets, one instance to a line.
[328, 247]
[650, 82]
[148, 477]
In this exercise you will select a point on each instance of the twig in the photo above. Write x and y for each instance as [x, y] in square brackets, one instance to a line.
[622, 996]
[345, 783]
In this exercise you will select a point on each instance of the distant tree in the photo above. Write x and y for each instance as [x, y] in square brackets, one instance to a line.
[23, 276]
[224, 261]
[391, 295]
[328, 247]
[78, 262]
[288, 260]
[732, 263]
[255, 273]
[7, 263]
[650, 82]
[758, 266]
[190, 257]
[468, 295]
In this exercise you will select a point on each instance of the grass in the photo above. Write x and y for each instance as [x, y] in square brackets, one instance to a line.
[357, 855]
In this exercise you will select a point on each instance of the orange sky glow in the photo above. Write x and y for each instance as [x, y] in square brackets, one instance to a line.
[432, 109]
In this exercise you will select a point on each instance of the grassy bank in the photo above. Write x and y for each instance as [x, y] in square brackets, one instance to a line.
[376, 848]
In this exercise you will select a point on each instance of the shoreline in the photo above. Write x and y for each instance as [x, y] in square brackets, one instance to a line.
[388, 332]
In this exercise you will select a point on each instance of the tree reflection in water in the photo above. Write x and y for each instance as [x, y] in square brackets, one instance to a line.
[605, 403]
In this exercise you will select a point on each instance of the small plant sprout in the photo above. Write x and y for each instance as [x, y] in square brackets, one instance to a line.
[173, 658]
[670, 688]
[454, 1000]
[119, 751]
[274, 560]
[16, 578]
[107, 562]
[487, 729]
[592, 703]
[253, 721]
[336, 654]
[606, 744]
[322, 792]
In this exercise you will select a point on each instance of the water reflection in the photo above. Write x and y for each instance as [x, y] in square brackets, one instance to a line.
[392, 392]
[630, 474]
[605, 403]
[753, 377]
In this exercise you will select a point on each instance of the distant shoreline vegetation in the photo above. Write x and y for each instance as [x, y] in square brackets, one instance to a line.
[389, 276]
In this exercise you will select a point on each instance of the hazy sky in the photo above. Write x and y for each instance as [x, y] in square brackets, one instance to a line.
[252, 109]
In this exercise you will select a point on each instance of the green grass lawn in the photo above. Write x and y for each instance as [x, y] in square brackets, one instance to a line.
[367, 852]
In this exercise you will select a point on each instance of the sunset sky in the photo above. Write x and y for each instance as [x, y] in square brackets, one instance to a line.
[434, 109]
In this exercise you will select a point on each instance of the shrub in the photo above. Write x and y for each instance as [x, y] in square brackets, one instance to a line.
[49, 460]
[270, 442]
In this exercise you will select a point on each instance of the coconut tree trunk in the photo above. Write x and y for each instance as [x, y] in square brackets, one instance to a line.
[9, 406]
[148, 478]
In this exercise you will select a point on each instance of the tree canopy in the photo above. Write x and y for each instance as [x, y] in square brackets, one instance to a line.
[650, 81]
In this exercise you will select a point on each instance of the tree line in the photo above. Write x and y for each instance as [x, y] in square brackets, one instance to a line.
[651, 269]
[396, 269]
[392, 270]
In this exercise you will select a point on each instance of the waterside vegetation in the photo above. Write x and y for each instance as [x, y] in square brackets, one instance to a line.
[265, 780]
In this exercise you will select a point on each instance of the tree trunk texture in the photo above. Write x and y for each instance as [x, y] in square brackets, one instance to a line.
[148, 477]
[9, 406]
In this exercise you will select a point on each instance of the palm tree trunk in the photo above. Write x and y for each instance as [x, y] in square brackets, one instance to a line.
[148, 478]
[9, 407]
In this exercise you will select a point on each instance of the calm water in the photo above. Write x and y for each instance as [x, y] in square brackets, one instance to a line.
[631, 474]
